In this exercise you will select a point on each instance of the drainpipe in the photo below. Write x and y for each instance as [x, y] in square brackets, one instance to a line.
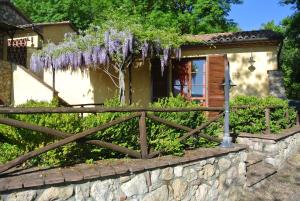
[278, 55]
[227, 140]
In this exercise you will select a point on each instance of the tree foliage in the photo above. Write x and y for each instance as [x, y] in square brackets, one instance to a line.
[187, 16]
[290, 53]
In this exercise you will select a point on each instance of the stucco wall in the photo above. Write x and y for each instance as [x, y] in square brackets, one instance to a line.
[248, 83]
[141, 83]
[94, 86]
[73, 87]
[27, 86]
[56, 33]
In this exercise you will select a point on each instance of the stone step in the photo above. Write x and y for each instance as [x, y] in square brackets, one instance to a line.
[258, 172]
[253, 158]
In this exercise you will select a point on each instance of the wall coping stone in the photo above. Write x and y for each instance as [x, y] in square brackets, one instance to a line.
[275, 137]
[36, 177]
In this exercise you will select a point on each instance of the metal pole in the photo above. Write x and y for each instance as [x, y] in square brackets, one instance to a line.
[227, 140]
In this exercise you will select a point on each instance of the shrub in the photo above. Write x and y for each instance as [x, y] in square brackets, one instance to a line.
[24, 140]
[252, 119]
[164, 137]
[160, 137]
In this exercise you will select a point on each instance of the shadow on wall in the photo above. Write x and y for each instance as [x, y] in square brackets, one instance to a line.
[102, 86]
[249, 82]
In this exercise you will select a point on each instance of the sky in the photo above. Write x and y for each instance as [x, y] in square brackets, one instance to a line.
[253, 13]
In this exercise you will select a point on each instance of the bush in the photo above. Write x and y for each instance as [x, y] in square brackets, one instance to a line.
[164, 137]
[24, 140]
[293, 91]
[160, 137]
[252, 119]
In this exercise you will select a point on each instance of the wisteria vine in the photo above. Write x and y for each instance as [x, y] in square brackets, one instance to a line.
[88, 51]
[115, 48]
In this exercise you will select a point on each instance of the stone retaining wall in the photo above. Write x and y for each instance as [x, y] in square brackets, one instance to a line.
[206, 174]
[275, 148]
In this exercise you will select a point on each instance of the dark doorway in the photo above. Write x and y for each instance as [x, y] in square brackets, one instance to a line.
[160, 82]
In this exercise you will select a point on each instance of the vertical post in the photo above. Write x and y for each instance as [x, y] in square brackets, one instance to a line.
[227, 140]
[81, 114]
[143, 136]
[287, 115]
[297, 118]
[267, 116]
[130, 84]
[53, 82]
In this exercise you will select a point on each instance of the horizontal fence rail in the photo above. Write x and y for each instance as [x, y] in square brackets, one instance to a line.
[19, 110]
[142, 114]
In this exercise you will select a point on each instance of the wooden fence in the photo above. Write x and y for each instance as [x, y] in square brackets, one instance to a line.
[141, 113]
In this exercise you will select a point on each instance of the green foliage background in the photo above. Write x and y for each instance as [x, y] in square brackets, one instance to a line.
[289, 60]
[252, 119]
[187, 16]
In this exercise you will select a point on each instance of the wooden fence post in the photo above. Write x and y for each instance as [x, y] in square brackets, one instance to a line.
[287, 115]
[267, 116]
[143, 136]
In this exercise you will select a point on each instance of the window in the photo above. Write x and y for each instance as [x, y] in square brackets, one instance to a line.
[17, 51]
[189, 79]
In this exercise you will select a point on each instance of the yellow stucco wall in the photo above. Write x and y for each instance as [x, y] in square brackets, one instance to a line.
[27, 87]
[74, 87]
[248, 83]
[141, 83]
[56, 33]
[94, 86]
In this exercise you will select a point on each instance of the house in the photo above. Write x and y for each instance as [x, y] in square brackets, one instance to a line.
[19, 37]
[199, 75]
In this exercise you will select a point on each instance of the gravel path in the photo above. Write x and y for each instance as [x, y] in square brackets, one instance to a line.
[283, 186]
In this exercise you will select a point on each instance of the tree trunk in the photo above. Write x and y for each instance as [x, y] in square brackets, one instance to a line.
[122, 86]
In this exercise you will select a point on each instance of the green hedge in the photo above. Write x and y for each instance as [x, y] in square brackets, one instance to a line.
[14, 141]
[17, 141]
[252, 119]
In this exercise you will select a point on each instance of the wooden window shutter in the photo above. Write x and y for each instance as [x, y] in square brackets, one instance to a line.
[215, 92]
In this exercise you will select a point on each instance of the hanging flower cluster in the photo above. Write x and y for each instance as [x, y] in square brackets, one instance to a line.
[93, 49]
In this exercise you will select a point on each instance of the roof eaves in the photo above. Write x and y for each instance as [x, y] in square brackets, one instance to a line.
[12, 6]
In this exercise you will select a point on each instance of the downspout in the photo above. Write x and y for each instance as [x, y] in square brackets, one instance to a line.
[278, 54]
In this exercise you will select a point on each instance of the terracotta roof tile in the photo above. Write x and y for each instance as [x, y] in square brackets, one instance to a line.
[232, 37]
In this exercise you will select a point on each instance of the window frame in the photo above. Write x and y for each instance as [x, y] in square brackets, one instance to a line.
[189, 85]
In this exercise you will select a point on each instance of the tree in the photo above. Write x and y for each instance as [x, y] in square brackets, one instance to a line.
[187, 16]
[113, 46]
[77, 11]
[290, 52]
